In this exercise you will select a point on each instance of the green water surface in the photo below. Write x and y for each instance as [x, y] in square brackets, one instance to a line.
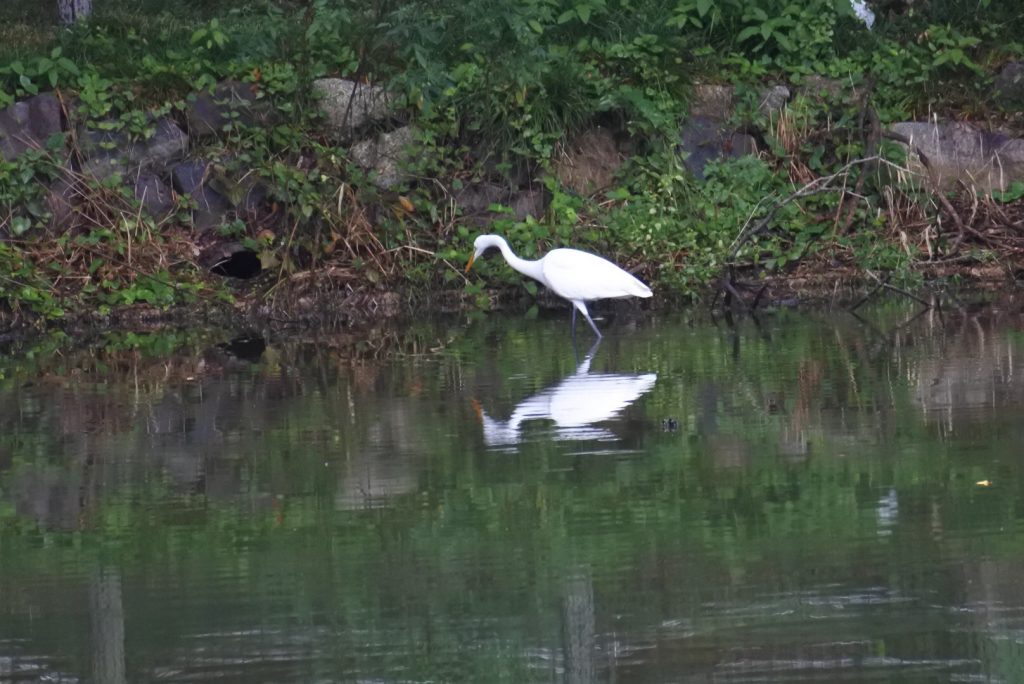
[815, 498]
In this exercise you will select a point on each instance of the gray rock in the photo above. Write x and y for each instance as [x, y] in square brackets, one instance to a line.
[773, 100]
[168, 143]
[189, 175]
[62, 196]
[589, 162]
[530, 202]
[154, 194]
[230, 102]
[474, 202]
[703, 139]
[717, 101]
[106, 152]
[478, 197]
[384, 156]
[1008, 88]
[712, 101]
[104, 165]
[190, 178]
[255, 198]
[349, 106]
[957, 152]
[820, 88]
[707, 133]
[29, 125]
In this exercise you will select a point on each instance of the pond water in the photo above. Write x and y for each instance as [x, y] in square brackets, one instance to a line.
[814, 497]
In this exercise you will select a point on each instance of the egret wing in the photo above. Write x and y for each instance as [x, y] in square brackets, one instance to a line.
[577, 275]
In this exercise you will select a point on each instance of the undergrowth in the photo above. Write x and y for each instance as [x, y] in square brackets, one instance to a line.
[488, 86]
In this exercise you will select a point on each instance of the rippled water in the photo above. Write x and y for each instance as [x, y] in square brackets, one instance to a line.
[814, 498]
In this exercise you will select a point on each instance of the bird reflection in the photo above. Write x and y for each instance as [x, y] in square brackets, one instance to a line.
[576, 406]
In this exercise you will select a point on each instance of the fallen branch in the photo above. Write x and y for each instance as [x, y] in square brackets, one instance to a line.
[889, 286]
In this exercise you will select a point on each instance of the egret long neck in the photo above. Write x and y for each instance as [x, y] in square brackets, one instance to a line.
[534, 269]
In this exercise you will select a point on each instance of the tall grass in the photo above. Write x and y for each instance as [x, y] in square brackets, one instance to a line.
[31, 27]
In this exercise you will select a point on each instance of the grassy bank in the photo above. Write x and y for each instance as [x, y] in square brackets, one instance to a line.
[492, 90]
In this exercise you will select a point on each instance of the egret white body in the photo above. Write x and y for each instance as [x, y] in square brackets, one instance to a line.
[579, 277]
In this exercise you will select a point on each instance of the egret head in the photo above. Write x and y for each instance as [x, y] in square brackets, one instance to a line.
[481, 245]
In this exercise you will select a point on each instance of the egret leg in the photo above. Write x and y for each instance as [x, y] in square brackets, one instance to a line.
[583, 310]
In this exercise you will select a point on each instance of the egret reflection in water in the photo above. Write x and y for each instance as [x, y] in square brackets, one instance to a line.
[577, 406]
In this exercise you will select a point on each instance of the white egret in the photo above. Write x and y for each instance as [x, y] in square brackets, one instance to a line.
[571, 274]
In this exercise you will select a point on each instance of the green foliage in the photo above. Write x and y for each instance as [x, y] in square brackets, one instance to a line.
[20, 79]
[23, 286]
[685, 230]
[23, 187]
[506, 81]
[526, 75]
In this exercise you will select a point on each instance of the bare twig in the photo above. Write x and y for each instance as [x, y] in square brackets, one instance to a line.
[889, 286]
[816, 186]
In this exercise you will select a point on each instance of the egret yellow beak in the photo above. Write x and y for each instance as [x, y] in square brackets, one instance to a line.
[469, 264]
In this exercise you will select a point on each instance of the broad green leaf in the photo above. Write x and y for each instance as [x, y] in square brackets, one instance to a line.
[20, 224]
[748, 33]
[26, 83]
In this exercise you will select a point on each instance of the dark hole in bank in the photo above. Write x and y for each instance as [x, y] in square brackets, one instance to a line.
[243, 264]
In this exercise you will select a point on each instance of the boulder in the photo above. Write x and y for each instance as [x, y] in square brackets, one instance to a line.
[709, 134]
[589, 163]
[254, 201]
[189, 175]
[383, 156]
[229, 102]
[712, 101]
[190, 178]
[717, 101]
[703, 139]
[349, 106]
[529, 202]
[154, 194]
[62, 195]
[821, 89]
[168, 143]
[957, 152]
[474, 202]
[29, 125]
[106, 152]
[1008, 88]
[773, 100]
